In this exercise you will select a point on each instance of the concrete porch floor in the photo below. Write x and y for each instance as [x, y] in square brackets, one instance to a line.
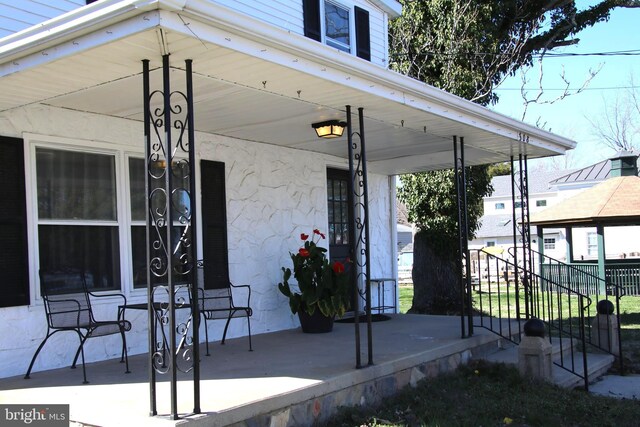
[288, 369]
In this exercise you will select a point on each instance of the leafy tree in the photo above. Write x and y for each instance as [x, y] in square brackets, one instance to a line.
[467, 48]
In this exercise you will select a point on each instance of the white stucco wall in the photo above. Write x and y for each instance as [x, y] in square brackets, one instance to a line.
[273, 195]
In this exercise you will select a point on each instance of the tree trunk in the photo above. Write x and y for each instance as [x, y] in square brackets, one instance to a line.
[436, 280]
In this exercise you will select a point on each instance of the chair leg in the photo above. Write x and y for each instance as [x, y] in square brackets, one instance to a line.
[81, 351]
[224, 335]
[206, 334]
[33, 359]
[124, 352]
[249, 326]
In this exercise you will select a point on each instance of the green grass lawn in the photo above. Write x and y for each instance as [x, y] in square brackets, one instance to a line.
[483, 394]
[406, 297]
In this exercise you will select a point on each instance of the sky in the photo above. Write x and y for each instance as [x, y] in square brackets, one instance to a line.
[568, 117]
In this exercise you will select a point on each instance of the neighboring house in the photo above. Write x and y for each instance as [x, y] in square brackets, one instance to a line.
[73, 155]
[546, 189]
[405, 252]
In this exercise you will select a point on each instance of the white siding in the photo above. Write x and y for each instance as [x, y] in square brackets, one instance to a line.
[16, 15]
[287, 14]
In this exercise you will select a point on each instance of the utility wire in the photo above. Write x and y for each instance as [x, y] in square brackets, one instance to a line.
[569, 89]
[633, 52]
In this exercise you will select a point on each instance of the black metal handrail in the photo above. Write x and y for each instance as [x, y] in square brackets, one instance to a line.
[589, 285]
[501, 292]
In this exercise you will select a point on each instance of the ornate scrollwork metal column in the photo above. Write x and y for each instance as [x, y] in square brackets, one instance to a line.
[171, 235]
[359, 230]
[521, 233]
[464, 265]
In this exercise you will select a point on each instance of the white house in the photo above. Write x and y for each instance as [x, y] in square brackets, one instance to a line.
[72, 145]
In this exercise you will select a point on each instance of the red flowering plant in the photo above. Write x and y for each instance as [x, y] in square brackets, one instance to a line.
[323, 285]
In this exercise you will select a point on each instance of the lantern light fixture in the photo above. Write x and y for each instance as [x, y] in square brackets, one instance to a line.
[329, 128]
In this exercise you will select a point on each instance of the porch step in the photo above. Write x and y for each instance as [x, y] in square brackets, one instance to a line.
[598, 364]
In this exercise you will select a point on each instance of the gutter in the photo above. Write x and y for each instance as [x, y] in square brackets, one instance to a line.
[76, 23]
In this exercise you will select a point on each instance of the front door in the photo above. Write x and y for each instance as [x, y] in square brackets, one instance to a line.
[338, 207]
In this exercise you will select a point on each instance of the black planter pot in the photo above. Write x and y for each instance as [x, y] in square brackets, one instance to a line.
[317, 323]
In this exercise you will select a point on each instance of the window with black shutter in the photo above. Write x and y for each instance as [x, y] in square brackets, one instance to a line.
[214, 225]
[13, 225]
[330, 22]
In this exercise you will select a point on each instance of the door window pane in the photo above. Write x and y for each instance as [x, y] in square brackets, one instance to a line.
[338, 207]
[75, 186]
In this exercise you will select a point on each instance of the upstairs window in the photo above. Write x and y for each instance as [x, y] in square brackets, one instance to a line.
[499, 206]
[541, 203]
[338, 25]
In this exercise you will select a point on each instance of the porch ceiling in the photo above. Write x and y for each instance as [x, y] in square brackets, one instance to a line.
[248, 89]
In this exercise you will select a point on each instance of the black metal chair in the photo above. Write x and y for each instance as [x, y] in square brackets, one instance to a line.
[218, 304]
[73, 312]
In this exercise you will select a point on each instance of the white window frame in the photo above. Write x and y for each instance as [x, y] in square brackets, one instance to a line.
[121, 154]
[352, 25]
[501, 204]
[490, 243]
[542, 203]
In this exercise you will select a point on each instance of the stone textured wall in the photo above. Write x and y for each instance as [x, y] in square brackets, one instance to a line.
[318, 410]
[273, 195]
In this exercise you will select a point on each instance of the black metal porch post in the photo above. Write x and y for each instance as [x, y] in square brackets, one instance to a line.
[195, 306]
[359, 230]
[171, 233]
[463, 244]
[514, 224]
[147, 155]
[465, 241]
[522, 232]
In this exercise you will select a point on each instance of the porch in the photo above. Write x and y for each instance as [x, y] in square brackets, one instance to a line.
[290, 377]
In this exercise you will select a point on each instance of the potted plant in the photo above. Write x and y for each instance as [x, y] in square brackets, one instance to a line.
[323, 286]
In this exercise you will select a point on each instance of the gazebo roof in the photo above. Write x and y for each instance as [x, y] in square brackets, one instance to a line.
[615, 201]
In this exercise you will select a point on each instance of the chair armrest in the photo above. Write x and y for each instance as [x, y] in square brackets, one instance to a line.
[117, 294]
[242, 288]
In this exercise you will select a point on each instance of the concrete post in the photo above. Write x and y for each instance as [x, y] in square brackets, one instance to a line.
[534, 352]
[604, 328]
[534, 358]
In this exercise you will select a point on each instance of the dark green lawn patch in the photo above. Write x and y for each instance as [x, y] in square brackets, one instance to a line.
[483, 394]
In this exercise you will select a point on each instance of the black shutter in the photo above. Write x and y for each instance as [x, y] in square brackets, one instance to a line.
[214, 225]
[13, 225]
[311, 12]
[363, 40]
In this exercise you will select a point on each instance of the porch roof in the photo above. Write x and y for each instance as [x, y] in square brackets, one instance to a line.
[252, 81]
